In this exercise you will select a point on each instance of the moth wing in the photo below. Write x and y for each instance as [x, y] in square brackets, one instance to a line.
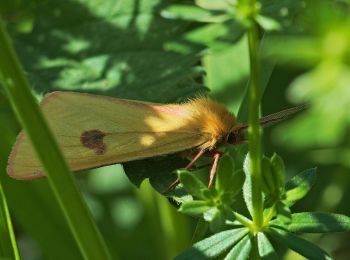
[94, 131]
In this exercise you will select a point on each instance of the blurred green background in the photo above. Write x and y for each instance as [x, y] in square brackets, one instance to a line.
[130, 49]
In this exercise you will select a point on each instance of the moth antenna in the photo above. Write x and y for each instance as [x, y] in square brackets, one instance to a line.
[278, 116]
[281, 115]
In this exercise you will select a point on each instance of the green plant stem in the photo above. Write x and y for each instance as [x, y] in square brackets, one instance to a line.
[254, 128]
[77, 215]
[8, 244]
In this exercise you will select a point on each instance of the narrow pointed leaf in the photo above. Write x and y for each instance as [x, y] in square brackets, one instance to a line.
[247, 186]
[298, 244]
[283, 213]
[317, 222]
[224, 174]
[267, 179]
[268, 23]
[299, 186]
[195, 207]
[266, 250]
[191, 183]
[279, 170]
[214, 245]
[241, 250]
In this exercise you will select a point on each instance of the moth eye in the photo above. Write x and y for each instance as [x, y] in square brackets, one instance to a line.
[232, 138]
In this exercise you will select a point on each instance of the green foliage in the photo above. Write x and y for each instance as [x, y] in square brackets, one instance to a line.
[159, 51]
[213, 204]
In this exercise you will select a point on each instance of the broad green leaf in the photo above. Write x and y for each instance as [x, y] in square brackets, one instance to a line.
[241, 250]
[298, 244]
[162, 173]
[266, 250]
[299, 186]
[195, 207]
[214, 245]
[108, 49]
[316, 222]
[191, 183]
[215, 36]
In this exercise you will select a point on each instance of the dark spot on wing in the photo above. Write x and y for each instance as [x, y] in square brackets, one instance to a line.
[93, 139]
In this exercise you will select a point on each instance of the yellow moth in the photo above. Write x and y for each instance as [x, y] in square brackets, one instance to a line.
[93, 131]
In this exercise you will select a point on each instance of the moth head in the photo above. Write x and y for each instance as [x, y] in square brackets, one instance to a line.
[237, 135]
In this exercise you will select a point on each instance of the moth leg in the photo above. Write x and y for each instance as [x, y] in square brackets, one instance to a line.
[188, 166]
[216, 155]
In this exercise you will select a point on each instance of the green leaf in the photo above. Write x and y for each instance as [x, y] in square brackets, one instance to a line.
[283, 213]
[214, 245]
[195, 207]
[193, 13]
[213, 5]
[216, 36]
[200, 231]
[268, 23]
[216, 219]
[191, 183]
[267, 176]
[227, 180]
[247, 189]
[224, 173]
[316, 222]
[279, 170]
[300, 245]
[266, 250]
[239, 178]
[241, 250]
[299, 186]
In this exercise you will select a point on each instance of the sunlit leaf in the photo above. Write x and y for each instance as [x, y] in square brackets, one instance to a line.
[299, 186]
[195, 207]
[214, 245]
[266, 251]
[241, 250]
[316, 222]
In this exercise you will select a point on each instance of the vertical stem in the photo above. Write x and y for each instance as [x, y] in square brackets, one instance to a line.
[254, 127]
[8, 243]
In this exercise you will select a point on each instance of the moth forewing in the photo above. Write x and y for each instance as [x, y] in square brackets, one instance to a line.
[94, 131]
